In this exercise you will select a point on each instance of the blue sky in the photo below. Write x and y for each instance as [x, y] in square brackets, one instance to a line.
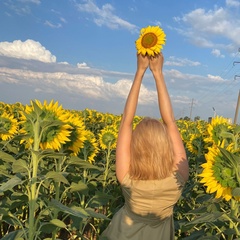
[82, 54]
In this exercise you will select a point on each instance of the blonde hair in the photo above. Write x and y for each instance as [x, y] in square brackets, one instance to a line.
[151, 151]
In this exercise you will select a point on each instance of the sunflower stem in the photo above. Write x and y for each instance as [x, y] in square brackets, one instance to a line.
[33, 181]
[85, 173]
[108, 153]
[233, 214]
[84, 181]
[57, 197]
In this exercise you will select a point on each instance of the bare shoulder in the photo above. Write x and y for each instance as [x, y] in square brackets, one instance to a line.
[183, 168]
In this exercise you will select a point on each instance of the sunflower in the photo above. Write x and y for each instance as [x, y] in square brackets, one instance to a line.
[108, 137]
[93, 120]
[54, 129]
[196, 144]
[136, 121]
[218, 174]
[150, 41]
[77, 135]
[109, 119]
[183, 129]
[90, 147]
[216, 128]
[8, 126]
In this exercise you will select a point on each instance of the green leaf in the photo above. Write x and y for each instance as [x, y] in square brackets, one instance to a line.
[81, 213]
[3, 212]
[10, 184]
[234, 160]
[47, 124]
[237, 129]
[236, 192]
[48, 228]
[206, 218]
[20, 166]
[94, 214]
[10, 221]
[227, 135]
[58, 223]
[20, 196]
[36, 109]
[79, 187]
[57, 177]
[15, 235]
[199, 210]
[48, 153]
[6, 157]
[100, 199]
[82, 163]
[195, 235]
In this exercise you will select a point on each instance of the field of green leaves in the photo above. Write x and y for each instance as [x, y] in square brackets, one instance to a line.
[57, 175]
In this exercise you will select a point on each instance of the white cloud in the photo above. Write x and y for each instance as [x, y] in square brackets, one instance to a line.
[29, 49]
[80, 87]
[217, 53]
[30, 1]
[215, 78]
[216, 28]
[48, 23]
[63, 20]
[91, 86]
[146, 96]
[211, 22]
[233, 3]
[82, 65]
[65, 63]
[181, 62]
[105, 16]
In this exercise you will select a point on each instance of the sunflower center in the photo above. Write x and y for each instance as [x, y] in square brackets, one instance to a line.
[149, 40]
[108, 138]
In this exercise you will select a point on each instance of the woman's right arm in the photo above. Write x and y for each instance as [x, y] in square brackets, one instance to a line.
[125, 130]
[166, 111]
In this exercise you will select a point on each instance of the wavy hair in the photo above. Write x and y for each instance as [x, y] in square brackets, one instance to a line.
[151, 151]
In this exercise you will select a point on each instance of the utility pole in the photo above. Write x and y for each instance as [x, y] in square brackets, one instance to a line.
[237, 108]
[214, 112]
[238, 101]
[191, 109]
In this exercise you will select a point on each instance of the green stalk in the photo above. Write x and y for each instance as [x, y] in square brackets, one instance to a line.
[19, 222]
[83, 195]
[57, 197]
[85, 173]
[234, 213]
[33, 183]
[105, 176]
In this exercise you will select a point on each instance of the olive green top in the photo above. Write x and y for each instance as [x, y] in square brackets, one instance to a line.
[148, 210]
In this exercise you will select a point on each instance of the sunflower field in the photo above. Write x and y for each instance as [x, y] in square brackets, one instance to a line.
[57, 175]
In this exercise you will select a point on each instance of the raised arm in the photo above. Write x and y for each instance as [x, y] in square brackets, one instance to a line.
[166, 111]
[125, 130]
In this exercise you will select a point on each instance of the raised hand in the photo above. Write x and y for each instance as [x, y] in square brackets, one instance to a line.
[142, 62]
[156, 63]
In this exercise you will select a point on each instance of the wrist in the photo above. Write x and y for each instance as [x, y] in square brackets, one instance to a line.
[141, 71]
[157, 72]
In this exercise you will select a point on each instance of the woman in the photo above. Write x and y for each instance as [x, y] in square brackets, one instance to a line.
[151, 165]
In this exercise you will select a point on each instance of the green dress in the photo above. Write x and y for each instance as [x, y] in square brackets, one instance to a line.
[148, 210]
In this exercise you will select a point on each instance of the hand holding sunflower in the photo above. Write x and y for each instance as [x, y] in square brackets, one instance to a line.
[150, 41]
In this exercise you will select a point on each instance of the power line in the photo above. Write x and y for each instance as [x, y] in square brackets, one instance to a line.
[218, 88]
[221, 88]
